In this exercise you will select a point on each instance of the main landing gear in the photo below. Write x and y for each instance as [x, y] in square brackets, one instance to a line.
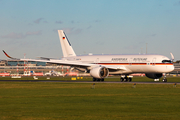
[126, 78]
[97, 79]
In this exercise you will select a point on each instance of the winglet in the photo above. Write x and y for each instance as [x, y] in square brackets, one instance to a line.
[172, 57]
[8, 55]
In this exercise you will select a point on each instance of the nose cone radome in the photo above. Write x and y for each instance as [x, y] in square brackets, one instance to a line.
[170, 68]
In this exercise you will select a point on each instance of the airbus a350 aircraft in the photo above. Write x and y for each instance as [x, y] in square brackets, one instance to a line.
[101, 66]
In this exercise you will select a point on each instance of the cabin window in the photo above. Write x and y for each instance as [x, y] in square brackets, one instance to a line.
[166, 61]
[148, 63]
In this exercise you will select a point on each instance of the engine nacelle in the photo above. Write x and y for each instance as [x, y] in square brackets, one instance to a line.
[99, 72]
[154, 75]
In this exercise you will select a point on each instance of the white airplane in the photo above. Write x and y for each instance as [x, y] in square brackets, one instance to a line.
[101, 66]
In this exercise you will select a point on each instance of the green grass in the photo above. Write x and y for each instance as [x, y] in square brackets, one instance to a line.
[116, 78]
[47, 101]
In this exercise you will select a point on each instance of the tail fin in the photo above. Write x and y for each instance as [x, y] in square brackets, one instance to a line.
[66, 45]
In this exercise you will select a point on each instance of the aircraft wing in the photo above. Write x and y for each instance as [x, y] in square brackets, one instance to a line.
[61, 62]
[115, 67]
[69, 63]
[76, 64]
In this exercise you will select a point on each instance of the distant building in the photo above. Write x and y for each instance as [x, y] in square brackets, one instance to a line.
[176, 68]
[21, 63]
[3, 63]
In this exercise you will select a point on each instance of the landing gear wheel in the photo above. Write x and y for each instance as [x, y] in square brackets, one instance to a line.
[102, 79]
[126, 79]
[121, 79]
[164, 80]
[94, 79]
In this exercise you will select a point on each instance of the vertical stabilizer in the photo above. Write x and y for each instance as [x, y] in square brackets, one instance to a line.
[65, 45]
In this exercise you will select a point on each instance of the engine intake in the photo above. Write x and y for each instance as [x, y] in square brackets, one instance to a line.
[154, 75]
[99, 72]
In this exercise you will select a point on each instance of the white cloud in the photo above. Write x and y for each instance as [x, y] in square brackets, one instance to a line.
[20, 35]
[72, 30]
[89, 27]
[153, 35]
[77, 31]
[58, 22]
[177, 3]
[34, 33]
[97, 21]
[14, 35]
[38, 20]
[69, 30]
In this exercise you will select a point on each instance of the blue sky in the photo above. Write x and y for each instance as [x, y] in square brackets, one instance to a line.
[92, 26]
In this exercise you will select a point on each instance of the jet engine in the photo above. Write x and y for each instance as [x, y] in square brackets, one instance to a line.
[99, 72]
[154, 75]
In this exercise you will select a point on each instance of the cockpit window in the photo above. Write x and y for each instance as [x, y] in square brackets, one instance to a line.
[166, 61]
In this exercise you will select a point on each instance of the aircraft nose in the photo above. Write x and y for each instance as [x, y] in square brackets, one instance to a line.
[171, 68]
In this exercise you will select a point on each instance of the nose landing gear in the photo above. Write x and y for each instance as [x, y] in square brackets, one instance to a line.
[164, 79]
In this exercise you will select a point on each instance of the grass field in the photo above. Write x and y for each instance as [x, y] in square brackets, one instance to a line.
[116, 78]
[47, 101]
